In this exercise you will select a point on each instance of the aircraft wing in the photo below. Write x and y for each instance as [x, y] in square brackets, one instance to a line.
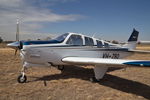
[102, 61]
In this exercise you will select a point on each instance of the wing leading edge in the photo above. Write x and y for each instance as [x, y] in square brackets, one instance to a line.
[101, 61]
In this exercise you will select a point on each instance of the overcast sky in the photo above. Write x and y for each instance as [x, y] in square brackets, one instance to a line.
[107, 19]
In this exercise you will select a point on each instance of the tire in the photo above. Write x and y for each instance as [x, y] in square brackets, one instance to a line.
[22, 79]
[94, 80]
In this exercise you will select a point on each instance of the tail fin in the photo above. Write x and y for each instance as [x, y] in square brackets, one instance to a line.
[134, 36]
[132, 41]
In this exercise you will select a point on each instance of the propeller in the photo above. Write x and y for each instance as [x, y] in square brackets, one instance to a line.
[17, 36]
[17, 45]
[17, 32]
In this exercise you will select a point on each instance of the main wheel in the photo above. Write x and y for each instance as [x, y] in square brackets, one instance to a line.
[60, 68]
[93, 79]
[22, 79]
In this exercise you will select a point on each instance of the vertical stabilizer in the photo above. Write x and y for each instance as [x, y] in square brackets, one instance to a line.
[134, 36]
[132, 41]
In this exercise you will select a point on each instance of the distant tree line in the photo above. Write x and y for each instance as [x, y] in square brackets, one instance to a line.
[115, 42]
[1, 40]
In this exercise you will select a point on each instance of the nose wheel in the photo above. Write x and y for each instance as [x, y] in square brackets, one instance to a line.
[22, 78]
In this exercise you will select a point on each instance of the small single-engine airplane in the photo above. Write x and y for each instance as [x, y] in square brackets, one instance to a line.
[77, 49]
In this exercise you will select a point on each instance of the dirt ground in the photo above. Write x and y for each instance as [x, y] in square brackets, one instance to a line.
[73, 83]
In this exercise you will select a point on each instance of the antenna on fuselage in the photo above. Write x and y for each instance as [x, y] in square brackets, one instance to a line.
[93, 35]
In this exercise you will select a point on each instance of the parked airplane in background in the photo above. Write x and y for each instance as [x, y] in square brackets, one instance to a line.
[144, 42]
[77, 49]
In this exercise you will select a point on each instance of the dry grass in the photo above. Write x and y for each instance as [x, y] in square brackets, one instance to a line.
[3, 45]
[73, 83]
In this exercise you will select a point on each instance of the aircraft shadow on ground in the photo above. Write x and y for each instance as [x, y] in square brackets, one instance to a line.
[112, 81]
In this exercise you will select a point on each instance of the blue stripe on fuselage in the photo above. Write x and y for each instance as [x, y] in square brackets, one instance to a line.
[40, 42]
[139, 63]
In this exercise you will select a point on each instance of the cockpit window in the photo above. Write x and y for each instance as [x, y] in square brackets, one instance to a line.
[89, 41]
[61, 38]
[99, 44]
[75, 40]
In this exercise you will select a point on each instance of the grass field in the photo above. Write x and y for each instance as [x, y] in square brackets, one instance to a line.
[73, 83]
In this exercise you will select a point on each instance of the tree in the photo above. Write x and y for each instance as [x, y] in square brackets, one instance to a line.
[1, 40]
[115, 42]
[48, 38]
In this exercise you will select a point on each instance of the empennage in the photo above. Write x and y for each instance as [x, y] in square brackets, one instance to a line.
[132, 41]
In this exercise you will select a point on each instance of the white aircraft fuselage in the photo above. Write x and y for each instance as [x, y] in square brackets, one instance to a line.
[45, 54]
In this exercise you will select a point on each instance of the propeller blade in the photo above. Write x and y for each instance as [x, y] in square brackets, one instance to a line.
[16, 51]
[18, 44]
[17, 32]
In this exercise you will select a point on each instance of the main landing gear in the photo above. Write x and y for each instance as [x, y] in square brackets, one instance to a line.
[60, 67]
[99, 72]
[93, 79]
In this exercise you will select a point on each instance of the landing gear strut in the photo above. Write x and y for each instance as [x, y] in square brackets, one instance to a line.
[99, 72]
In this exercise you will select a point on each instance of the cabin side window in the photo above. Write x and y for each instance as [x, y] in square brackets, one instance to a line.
[89, 41]
[75, 40]
[106, 44]
[99, 44]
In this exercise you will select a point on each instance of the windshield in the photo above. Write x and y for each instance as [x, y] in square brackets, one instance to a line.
[61, 38]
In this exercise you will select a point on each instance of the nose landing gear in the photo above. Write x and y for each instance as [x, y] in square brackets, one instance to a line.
[22, 78]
